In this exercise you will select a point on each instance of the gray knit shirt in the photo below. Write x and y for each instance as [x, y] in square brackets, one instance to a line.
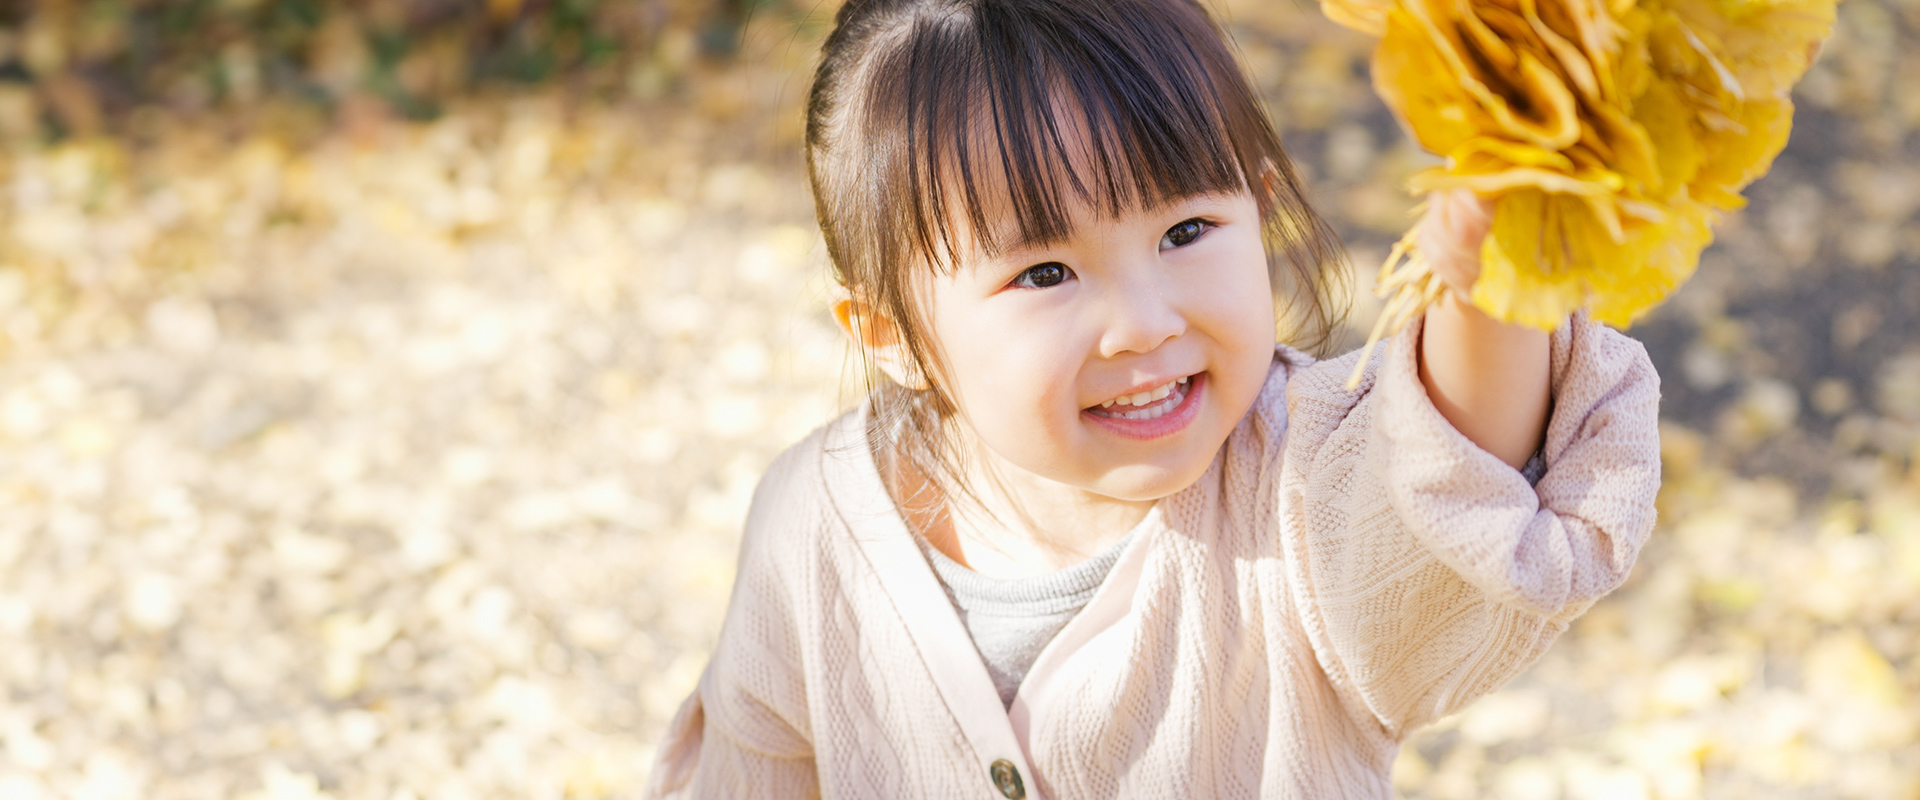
[1012, 619]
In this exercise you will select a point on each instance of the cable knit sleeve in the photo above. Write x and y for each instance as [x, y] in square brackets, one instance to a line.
[1427, 570]
[744, 732]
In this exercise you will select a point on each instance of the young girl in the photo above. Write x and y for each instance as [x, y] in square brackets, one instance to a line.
[1094, 534]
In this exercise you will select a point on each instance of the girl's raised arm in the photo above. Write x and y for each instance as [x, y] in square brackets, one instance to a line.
[1430, 572]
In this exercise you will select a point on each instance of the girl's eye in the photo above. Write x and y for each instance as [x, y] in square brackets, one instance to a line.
[1183, 233]
[1041, 276]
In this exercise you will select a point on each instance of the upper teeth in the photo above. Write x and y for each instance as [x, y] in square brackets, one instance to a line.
[1143, 398]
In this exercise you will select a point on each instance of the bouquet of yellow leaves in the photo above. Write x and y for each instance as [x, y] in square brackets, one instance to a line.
[1608, 135]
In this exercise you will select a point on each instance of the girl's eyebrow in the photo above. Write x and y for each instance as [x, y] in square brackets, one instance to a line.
[1026, 240]
[1021, 238]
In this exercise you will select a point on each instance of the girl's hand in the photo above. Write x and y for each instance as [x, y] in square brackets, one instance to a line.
[1456, 223]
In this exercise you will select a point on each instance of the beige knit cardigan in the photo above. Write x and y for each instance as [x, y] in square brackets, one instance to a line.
[1349, 568]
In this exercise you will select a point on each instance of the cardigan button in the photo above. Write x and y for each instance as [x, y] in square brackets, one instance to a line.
[1007, 780]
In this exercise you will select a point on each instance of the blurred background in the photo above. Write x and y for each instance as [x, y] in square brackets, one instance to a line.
[383, 383]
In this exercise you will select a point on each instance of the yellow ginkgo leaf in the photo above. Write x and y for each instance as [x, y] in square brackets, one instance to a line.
[1609, 133]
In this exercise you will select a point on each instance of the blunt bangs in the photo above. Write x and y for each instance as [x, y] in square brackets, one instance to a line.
[1008, 107]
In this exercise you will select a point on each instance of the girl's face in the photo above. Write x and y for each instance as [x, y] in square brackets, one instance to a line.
[1115, 361]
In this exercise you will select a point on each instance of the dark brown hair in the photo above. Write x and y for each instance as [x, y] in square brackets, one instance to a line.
[919, 106]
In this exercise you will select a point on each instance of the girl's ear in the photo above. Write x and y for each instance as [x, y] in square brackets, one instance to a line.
[879, 337]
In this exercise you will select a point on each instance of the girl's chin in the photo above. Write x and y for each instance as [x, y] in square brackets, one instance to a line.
[1150, 482]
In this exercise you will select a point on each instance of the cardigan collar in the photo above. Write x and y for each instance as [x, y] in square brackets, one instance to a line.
[993, 731]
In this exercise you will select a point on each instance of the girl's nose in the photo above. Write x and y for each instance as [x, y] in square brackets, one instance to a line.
[1143, 317]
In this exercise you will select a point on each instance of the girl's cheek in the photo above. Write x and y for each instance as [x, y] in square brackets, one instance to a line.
[1246, 297]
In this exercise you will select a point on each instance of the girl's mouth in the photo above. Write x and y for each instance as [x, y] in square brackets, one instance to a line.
[1161, 411]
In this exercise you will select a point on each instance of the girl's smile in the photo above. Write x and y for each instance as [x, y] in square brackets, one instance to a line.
[1160, 411]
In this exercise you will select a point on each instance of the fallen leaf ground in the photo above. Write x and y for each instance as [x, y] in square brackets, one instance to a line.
[407, 460]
